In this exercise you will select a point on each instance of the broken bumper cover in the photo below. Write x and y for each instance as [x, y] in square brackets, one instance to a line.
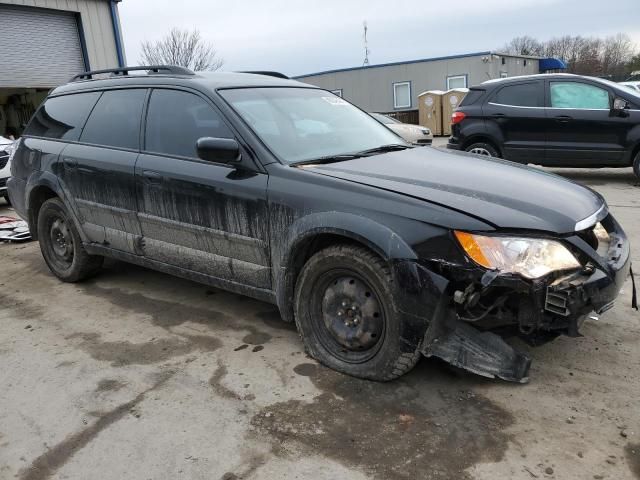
[555, 305]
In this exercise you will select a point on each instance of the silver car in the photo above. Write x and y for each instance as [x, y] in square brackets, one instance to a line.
[411, 133]
[6, 145]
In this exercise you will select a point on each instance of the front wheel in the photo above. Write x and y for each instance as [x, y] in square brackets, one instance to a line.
[636, 165]
[347, 315]
[484, 149]
[6, 199]
[61, 245]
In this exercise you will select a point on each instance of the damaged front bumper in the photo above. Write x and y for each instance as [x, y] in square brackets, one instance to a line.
[480, 308]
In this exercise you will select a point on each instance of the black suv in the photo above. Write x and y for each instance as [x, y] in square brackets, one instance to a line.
[559, 120]
[379, 252]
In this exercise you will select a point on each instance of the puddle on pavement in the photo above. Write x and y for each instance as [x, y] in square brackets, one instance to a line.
[428, 424]
[123, 353]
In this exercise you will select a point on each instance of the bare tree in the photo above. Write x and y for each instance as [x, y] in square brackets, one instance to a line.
[524, 46]
[616, 53]
[183, 48]
[610, 57]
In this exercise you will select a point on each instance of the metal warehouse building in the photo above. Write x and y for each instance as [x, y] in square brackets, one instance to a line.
[43, 43]
[394, 87]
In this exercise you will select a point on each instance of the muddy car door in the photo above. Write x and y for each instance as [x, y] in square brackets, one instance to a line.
[202, 216]
[98, 170]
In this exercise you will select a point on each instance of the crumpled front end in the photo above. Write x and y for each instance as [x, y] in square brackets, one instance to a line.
[480, 307]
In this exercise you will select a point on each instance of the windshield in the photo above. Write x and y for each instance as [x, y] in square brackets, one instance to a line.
[634, 93]
[300, 124]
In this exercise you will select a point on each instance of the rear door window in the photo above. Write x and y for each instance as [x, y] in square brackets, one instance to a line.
[176, 120]
[62, 118]
[528, 94]
[579, 95]
[115, 120]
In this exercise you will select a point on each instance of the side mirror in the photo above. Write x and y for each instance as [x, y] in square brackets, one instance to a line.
[220, 150]
[620, 104]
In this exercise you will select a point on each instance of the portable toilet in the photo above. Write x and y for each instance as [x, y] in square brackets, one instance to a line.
[450, 101]
[430, 110]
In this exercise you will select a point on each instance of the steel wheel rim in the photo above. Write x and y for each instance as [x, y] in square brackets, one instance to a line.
[61, 242]
[481, 151]
[350, 319]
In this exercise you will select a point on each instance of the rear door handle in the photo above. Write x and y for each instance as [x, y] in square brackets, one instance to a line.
[498, 115]
[152, 177]
[70, 163]
[563, 118]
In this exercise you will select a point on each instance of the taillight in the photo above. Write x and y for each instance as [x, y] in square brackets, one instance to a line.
[457, 117]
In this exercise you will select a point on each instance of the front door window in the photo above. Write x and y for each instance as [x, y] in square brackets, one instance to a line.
[579, 95]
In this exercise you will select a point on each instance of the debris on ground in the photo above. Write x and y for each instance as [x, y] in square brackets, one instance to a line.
[14, 230]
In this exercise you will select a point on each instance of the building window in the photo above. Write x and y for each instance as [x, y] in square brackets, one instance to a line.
[525, 62]
[504, 74]
[337, 92]
[504, 61]
[402, 95]
[457, 81]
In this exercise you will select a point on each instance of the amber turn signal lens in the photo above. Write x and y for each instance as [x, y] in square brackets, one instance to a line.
[471, 247]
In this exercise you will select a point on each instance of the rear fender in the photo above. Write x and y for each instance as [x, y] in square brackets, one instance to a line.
[45, 179]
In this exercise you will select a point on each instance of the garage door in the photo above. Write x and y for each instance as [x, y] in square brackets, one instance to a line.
[38, 48]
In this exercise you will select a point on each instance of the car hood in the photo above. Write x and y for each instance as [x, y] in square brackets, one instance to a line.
[502, 193]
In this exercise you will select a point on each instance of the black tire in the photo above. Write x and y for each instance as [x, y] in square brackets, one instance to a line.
[61, 245]
[480, 147]
[6, 199]
[353, 278]
[636, 165]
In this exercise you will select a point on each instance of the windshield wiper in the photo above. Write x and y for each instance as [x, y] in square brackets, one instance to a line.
[393, 147]
[327, 159]
[351, 156]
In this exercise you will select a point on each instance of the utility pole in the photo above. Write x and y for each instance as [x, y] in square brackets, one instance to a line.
[366, 46]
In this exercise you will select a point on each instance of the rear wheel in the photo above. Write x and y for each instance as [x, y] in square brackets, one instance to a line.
[347, 316]
[481, 148]
[636, 165]
[61, 245]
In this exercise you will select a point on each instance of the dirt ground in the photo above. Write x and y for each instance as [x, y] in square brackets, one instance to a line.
[140, 375]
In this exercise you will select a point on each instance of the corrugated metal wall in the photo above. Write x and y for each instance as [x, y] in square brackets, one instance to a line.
[372, 88]
[38, 48]
[96, 21]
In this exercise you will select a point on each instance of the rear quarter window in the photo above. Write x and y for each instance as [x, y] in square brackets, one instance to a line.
[62, 118]
[472, 97]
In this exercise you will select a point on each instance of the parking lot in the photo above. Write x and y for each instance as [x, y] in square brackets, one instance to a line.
[137, 374]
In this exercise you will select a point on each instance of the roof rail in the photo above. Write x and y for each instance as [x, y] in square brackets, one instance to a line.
[269, 74]
[124, 71]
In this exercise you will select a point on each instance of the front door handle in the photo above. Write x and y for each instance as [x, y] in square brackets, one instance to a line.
[563, 118]
[152, 177]
[498, 115]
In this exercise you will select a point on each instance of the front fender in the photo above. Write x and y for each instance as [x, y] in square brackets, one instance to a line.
[376, 236]
[417, 289]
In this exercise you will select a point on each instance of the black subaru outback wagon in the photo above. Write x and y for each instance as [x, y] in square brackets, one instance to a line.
[379, 252]
[559, 120]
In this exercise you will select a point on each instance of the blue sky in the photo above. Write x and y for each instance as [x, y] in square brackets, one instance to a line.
[298, 37]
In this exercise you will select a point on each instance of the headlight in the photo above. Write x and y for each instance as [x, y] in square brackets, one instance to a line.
[529, 257]
[426, 131]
